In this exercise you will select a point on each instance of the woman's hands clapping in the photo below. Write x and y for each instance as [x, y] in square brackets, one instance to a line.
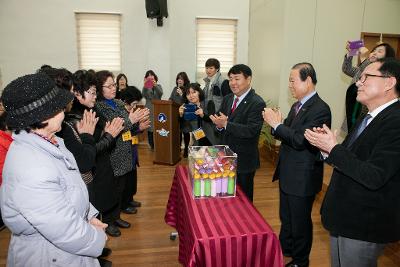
[114, 127]
[140, 114]
[88, 123]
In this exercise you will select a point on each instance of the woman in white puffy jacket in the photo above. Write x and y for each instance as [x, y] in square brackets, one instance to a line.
[44, 201]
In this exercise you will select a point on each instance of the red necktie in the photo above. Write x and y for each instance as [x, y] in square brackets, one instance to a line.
[234, 104]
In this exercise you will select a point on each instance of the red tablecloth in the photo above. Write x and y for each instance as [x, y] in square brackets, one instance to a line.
[219, 232]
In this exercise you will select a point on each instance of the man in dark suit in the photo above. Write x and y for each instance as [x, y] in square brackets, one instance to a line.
[362, 203]
[299, 168]
[239, 121]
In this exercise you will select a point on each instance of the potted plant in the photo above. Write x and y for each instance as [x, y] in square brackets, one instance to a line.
[267, 142]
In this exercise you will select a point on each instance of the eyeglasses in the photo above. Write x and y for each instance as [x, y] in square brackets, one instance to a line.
[364, 77]
[110, 86]
[92, 92]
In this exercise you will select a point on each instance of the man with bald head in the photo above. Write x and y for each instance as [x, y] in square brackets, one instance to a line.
[362, 203]
[299, 168]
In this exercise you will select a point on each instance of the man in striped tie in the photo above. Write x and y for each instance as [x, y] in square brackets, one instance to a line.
[362, 203]
[239, 121]
[299, 168]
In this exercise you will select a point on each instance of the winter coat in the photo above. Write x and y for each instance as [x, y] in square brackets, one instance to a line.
[149, 94]
[45, 205]
[214, 92]
[121, 155]
[5, 142]
[175, 97]
[92, 153]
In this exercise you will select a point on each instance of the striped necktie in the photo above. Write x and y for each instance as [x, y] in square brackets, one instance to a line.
[234, 104]
[297, 107]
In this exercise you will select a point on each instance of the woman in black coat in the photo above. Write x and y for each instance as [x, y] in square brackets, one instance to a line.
[108, 108]
[90, 141]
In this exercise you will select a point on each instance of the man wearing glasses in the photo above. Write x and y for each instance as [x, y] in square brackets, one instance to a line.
[362, 203]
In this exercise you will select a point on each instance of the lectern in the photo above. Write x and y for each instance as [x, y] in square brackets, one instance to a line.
[166, 132]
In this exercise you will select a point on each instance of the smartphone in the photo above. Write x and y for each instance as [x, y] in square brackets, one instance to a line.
[356, 44]
[149, 83]
[189, 113]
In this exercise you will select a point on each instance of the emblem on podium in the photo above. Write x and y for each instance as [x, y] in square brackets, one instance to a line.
[162, 117]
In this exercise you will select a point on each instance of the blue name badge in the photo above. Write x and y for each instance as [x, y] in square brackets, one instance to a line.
[189, 113]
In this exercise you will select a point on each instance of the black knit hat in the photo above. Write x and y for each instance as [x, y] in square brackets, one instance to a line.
[32, 99]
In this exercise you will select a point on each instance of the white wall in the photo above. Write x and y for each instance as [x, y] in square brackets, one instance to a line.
[265, 47]
[43, 32]
[315, 31]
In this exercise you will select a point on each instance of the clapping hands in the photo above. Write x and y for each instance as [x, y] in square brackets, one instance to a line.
[140, 114]
[322, 137]
[114, 127]
[88, 123]
[220, 120]
[273, 117]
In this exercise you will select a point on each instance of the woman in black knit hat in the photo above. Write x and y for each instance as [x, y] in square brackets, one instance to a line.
[44, 201]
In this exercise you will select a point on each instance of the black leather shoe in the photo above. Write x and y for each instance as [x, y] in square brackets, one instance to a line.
[106, 252]
[287, 254]
[292, 264]
[121, 223]
[135, 204]
[129, 210]
[105, 263]
[113, 230]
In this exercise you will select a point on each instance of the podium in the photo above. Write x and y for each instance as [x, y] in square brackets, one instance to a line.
[166, 132]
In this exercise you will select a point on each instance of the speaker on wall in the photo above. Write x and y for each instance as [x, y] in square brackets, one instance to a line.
[157, 9]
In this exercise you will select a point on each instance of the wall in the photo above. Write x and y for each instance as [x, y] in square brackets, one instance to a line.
[315, 31]
[43, 31]
[265, 47]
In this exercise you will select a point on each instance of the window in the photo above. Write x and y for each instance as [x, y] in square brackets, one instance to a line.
[99, 41]
[215, 38]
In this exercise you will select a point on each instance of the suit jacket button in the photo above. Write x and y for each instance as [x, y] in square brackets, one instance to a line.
[54, 260]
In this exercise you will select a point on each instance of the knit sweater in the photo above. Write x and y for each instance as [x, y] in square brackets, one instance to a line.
[121, 155]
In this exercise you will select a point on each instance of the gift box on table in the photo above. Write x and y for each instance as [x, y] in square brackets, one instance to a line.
[212, 171]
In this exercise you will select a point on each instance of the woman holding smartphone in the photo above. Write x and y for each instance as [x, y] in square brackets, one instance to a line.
[151, 90]
[353, 108]
[194, 96]
[178, 96]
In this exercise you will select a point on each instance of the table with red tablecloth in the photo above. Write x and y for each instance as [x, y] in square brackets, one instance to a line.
[219, 231]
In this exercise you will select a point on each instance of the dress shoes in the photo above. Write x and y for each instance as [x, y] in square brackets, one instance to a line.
[106, 252]
[135, 204]
[292, 264]
[129, 210]
[113, 230]
[122, 224]
[105, 263]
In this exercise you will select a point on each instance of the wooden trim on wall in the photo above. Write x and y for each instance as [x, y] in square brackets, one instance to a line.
[365, 35]
[374, 34]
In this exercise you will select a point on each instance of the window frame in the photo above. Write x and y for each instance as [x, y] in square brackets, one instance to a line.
[117, 66]
[200, 66]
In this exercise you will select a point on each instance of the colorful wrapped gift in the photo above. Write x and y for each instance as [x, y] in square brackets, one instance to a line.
[212, 171]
